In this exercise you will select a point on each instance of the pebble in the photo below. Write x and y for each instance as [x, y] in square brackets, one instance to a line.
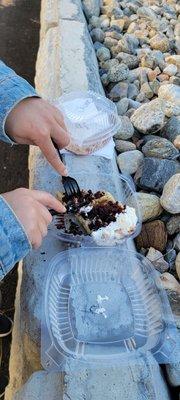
[170, 94]
[170, 199]
[155, 173]
[126, 129]
[160, 148]
[177, 264]
[173, 225]
[134, 104]
[153, 234]
[157, 259]
[132, 91]
[91, 8]
[123, 145]
[170, 70]
[149, 205]
[118, 73]
[122, 106]
[160, 42]
[129, 59]
[130, 161]
[146, 89]
[97, 35]
[177, 242]
[170, 257]
[173, 59]
[149, 118]
[103, 54]
[171, 130]
[168, 281]
[119, 91]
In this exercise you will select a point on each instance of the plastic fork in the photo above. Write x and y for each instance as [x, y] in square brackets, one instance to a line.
[70, 184]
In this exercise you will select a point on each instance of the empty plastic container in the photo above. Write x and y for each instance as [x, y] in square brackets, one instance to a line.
[91, 120]
[102, 307]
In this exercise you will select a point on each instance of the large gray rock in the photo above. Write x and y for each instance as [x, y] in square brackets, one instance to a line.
[91, 7]
[126, 129]
[130, 161]
[160, 148]
[149, 205]
[170, 199]
[171, 130]
[156, 172]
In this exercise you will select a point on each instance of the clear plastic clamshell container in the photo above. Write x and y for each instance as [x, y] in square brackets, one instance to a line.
[102, 307]
[123, 190]
[91, 120]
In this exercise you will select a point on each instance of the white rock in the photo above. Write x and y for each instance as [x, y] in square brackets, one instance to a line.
[130, 161]
[170, 94]
[126, 129]
[149, 118]
[177, 264]
[170, 70]
[149, 205]
[169, 282]
[157, 260]
[170, 199]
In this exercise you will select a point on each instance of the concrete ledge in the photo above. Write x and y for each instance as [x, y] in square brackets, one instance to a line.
[66, 61]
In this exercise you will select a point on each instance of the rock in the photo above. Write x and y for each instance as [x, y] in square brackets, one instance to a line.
[122, 106]
[123, 145]
[177, 242]
[130, 60]
[153, 234]
[126, 129]
[146, 89]
[97, 35]
[103, 54]
[157, 259]
[160, 42]
[95, 22]
[160, 148]
[175, 80]
[173, 59]
[149, 118]
[154, 85]
[130, 161]
[170, 94]
[134, 104]
[119, 91]
[169, 282]
[170, 70]
[170, 257]
[132, 91]
[170, 199]
[171, 130]
[147, 13]
[177, 264]
[118, 73]
[91, 8]
[156, 172]
[97, 45]
[173, 225]
[149, 205]
[104, 79]
[110, 43]
[128, 44]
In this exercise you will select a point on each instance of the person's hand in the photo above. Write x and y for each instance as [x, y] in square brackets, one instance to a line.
[31, 208]
[35, 121]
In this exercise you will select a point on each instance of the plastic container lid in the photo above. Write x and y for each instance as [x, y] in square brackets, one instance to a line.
[102, 306]
[91, 120]
[123, 190]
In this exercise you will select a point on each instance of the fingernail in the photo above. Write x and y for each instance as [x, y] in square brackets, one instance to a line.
[63, 209]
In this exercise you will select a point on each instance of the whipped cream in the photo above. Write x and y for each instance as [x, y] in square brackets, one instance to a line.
[86, 209]
[124, 225]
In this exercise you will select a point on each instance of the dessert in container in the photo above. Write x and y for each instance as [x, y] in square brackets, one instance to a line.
[104, 307]
[123, 191]
[90, 118]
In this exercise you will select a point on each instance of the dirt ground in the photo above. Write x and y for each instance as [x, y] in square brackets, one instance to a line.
[19, 39]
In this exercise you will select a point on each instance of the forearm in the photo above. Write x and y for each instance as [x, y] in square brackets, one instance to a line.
[14, 244]
[13, 89]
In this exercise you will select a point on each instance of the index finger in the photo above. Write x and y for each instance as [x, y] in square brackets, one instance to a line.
[51, 154]
[48, 200]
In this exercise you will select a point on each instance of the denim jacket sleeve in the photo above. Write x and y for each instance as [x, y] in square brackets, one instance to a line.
[13, 89]
[14, 243]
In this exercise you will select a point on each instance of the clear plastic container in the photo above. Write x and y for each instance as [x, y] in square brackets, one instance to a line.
[123, 190]
[102, 307]
[91, 120]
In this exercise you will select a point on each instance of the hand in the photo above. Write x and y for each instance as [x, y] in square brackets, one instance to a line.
[30, 207]
[35, 121]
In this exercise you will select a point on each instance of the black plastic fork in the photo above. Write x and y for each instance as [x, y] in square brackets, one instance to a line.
[70, 184]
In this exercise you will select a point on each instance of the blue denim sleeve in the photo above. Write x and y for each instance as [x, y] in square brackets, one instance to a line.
[14, 243]
[13, 89]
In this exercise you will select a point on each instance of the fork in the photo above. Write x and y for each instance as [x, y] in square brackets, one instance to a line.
[70, 184]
